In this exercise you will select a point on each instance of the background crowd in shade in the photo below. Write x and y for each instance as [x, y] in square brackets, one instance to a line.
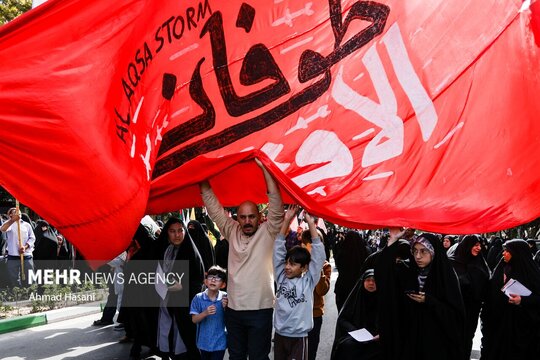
[335, 232]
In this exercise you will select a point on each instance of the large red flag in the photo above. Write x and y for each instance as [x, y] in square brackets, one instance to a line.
[370, 113]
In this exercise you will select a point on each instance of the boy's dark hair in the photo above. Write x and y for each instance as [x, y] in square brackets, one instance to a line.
[219, 271]
[299, 255]
[306, 237]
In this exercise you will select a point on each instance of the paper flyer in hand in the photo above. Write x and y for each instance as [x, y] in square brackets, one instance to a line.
[515, 287]
[361, 335]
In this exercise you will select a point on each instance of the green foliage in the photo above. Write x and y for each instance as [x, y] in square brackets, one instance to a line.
[18, 301]
[10, 9]
[53, 297]
[13, 297]
[86, 286]
[4, 309]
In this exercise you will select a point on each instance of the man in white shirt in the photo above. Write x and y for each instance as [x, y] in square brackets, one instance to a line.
[14, 249]
[250, 284]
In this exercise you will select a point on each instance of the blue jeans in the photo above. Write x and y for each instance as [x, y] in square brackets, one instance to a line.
[14, 270]
[249, 333]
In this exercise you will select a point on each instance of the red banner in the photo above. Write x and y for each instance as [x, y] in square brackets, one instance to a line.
[370, 114]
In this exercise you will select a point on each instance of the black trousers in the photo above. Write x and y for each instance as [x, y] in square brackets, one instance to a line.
[249, 333]
[314, 337]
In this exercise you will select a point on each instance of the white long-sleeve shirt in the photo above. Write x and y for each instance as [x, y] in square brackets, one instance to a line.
[250, 283]
[27, 238]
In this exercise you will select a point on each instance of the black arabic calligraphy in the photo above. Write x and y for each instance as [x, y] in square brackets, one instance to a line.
[259, 65]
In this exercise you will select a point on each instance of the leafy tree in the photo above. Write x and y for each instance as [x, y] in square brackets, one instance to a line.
[10, 9]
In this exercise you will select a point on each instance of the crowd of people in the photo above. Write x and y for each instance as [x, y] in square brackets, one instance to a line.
[423, 300]
[262, 280]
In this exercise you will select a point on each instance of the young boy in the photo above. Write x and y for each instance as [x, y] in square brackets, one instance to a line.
[296, 272]
[208, 312]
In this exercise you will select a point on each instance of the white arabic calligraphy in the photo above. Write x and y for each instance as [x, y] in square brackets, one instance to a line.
[388, 143]
[288, 17]
[302, 123]
[323, 147]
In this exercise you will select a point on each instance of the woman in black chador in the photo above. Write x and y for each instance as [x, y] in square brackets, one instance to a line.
[494, 252]
[353, 252]
[473, 273]
[512, 323]
[46, 245]
[139, 300]
[360, 311]
[421, 312]
[202, 242]
[176, 332]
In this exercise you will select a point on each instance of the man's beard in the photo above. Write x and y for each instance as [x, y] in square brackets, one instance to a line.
[248, 229]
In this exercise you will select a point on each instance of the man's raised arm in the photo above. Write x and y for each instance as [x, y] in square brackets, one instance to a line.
[215, 209]
[275, 204]
[271, 185]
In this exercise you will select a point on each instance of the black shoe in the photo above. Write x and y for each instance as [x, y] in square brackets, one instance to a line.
[102, 322]
[162, 355]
